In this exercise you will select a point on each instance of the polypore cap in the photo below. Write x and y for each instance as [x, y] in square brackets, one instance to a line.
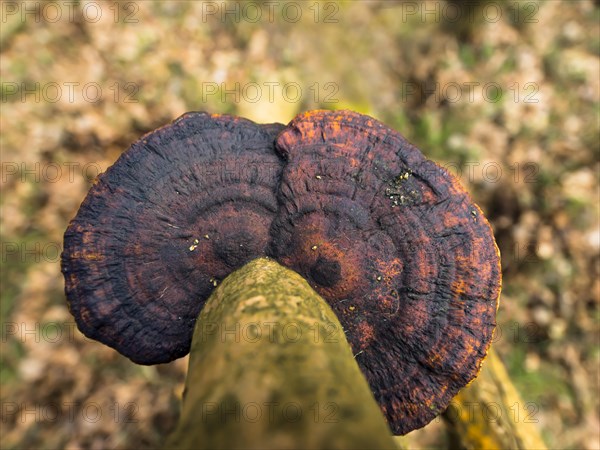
[388, 238]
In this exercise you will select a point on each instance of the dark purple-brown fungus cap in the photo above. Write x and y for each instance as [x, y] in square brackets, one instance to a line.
[390, 239]
[399, 250]
[181, 209]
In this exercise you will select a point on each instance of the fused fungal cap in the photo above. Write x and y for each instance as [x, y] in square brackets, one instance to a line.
[390, 239]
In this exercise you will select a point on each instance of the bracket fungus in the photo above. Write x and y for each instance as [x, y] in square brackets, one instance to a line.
[388, 238]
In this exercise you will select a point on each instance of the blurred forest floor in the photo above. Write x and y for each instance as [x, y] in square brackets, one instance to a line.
[506, 97]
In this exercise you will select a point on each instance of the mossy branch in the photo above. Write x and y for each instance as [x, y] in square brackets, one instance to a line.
[270, 367]
[490, 414]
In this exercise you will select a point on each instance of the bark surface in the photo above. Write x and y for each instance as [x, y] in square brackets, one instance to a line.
[270, 367]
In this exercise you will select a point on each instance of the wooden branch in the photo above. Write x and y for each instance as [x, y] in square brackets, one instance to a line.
[270, 367]
[490, 414]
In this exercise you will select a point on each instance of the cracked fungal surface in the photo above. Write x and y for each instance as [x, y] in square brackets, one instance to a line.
[391, 240]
